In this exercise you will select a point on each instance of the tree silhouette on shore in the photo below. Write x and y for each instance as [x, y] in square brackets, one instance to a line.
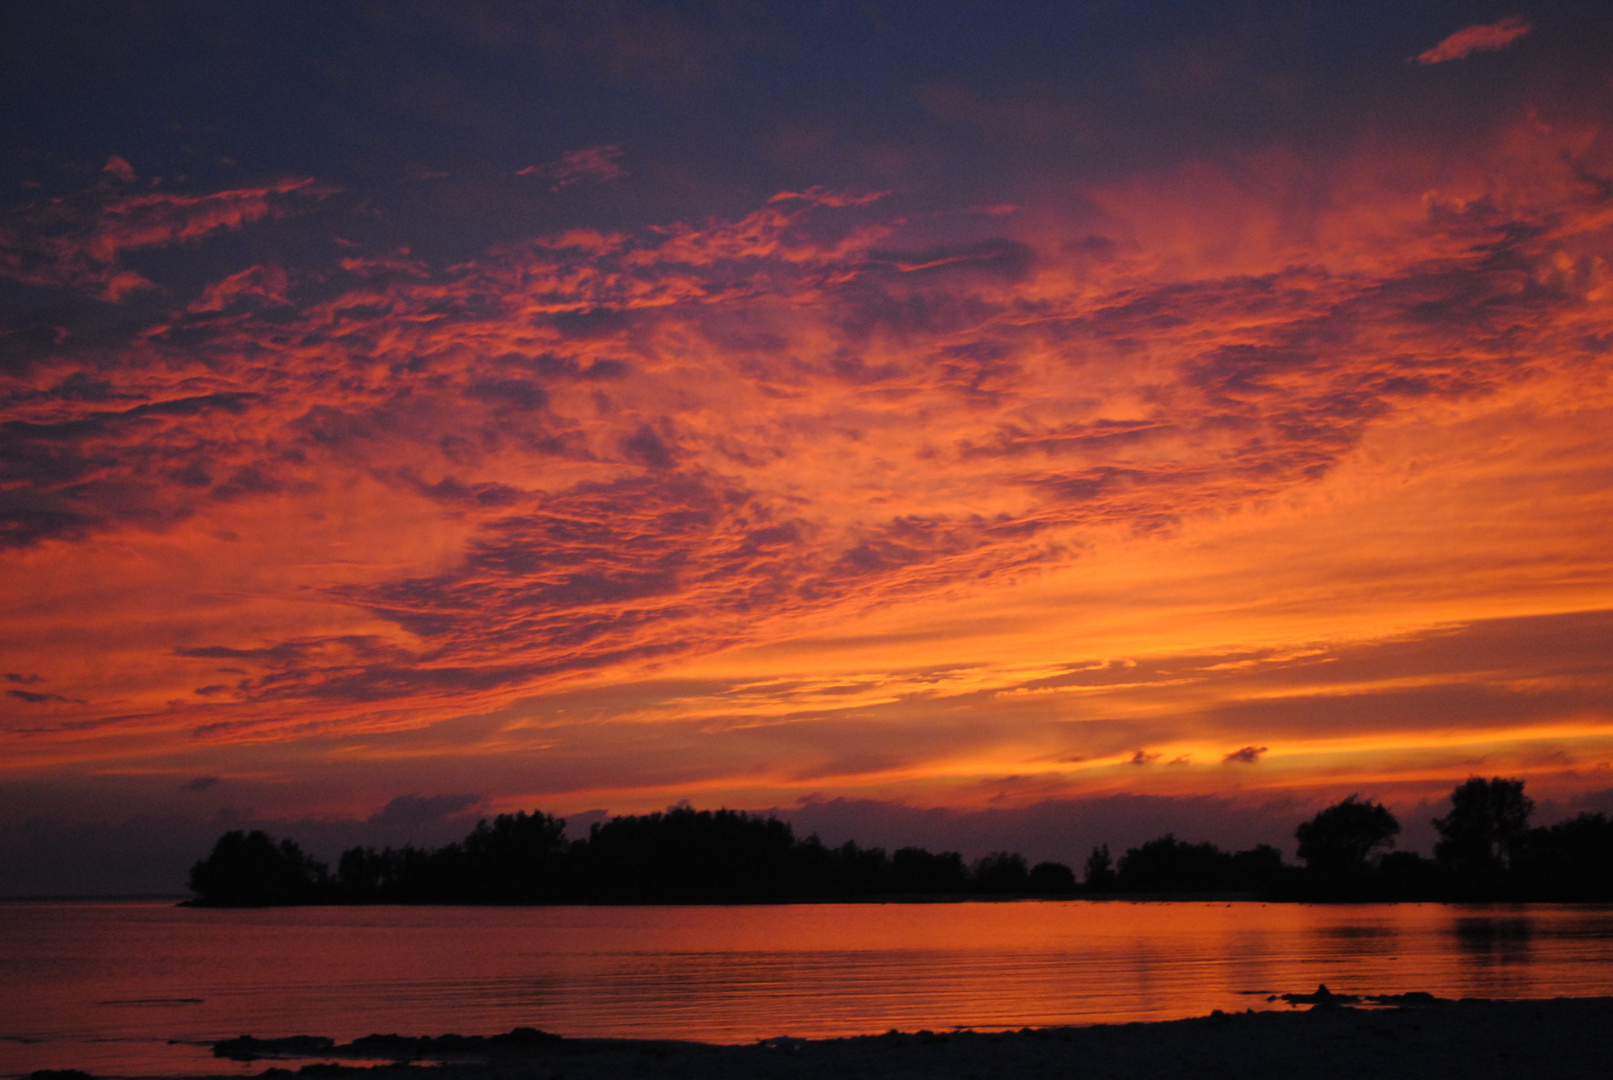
[1340, 839]
[1486, 851]
[1479, 840]
[248, 868]
[1337, 846]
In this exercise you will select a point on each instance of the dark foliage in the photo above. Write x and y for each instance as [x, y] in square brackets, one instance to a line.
[1100, 871]
[682, 856]
[1570, 861]
[1486, 851]
[685, 856]
[1339, 841]
[914, 870]
[1339, 846]
[1052, 879]
[1169, 865]
[1481, 838]
[1002, 873]
[251, 870]
[1402, 875]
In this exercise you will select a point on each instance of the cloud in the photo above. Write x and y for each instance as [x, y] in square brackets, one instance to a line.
[79, 241]
[646, 447]
[199, 784]
[1246, 756]
[262, 284]
[119, 168]
[411, 811]
[1489, 37]
[587, 454]
[33, 698]
[596, 165]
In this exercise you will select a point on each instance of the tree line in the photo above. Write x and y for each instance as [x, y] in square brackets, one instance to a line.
[1486, 851]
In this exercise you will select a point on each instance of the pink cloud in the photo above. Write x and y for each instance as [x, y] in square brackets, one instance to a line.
[158, 220]
[265, 284]
[1489, 37]
[78, 241]
[119, 168]
[817, 196]
[596, 164]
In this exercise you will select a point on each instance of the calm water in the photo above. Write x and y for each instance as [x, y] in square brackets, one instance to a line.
[105, 987]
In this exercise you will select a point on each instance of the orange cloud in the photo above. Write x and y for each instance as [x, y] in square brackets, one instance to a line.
[1489, 37]
[824, 498]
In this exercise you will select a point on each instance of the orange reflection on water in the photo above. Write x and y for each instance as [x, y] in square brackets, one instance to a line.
[105, 987]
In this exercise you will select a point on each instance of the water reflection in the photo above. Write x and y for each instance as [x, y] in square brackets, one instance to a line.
[1495, 939]
[103, 987]
[1350, 932]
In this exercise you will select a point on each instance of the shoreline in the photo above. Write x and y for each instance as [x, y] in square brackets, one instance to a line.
[1409, 1035]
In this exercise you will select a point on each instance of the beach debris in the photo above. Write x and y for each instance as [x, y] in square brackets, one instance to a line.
[1327, 999]
[1322, 999]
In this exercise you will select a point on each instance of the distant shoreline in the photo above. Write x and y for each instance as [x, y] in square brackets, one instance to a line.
[863, 901]
[180, 900]
[918, 898]
[1474, 1039]
[686, 856]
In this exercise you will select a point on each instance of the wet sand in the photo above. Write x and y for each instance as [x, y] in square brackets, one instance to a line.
[1471, 1040]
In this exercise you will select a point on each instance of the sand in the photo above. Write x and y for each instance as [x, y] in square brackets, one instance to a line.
[1428, 1039]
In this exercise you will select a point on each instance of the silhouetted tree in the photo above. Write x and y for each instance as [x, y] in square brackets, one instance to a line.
[1001, 872]
[1406, 875]
[365, 876]
[1255, 870]
[1100, 870]
[1169, 865]
[689, 856]
[859, 871]
[1569, 861]
[1338, 842]
[251, 870]
[514, 859]
[1051, 879]
[914, 870]
[1481, 836]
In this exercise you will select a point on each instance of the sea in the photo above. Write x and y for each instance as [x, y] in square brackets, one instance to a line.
[143, 988]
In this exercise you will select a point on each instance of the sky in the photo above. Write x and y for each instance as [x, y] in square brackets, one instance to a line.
[985, 426]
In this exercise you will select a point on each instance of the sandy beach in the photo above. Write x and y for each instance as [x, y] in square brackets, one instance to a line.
[1470, 1039]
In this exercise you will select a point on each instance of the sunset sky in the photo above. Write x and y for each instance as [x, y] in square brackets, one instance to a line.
[968, 424]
